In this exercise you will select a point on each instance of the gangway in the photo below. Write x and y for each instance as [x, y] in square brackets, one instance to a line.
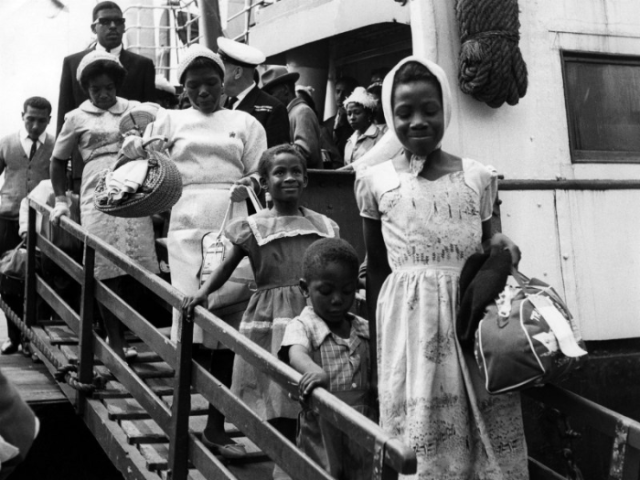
[148, 414]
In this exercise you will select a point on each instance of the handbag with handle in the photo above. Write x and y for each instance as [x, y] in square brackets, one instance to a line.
[230, 301]
[13, 268]
[526, 338]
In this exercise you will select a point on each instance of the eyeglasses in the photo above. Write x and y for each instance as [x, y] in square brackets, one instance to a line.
[106, 22]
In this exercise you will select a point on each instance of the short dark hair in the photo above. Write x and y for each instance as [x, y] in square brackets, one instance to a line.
[414, 72]
[349, 82]
[380, 71]
[113, 70]
[104, 6]
[40, 103]
[202, 62]
[273, 152]
[329, 250]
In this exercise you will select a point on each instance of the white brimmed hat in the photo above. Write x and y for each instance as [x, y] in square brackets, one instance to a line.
[361, 96]
[94, 56]
[194, 51]
[239, 53]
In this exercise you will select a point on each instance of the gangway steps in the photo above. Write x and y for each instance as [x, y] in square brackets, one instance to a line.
[131, 425]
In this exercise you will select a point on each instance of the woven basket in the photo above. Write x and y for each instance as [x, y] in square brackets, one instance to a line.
[163, 185]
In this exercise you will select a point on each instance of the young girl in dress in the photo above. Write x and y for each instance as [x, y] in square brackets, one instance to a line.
[425, 212]
[275, 240]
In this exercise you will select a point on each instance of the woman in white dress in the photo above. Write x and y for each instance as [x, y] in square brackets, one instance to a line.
[214, 149]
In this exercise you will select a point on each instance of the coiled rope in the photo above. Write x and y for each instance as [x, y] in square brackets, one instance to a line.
[65, 373]
[491, 68]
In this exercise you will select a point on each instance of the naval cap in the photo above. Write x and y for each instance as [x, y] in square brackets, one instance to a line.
[239, 53]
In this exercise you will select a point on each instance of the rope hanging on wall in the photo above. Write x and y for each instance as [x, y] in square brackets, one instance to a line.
[491, 68]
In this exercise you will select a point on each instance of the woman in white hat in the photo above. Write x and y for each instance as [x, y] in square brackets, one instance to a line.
[214, 149]
[93, 128]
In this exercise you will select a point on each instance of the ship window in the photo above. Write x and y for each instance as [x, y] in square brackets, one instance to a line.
[602, 94]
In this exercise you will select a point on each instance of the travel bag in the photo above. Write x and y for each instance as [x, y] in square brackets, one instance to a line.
[526, 338]
[230, 301]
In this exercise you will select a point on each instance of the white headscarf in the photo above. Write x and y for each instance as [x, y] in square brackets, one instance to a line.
[387, 90]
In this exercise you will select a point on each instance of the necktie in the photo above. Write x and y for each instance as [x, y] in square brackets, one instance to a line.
[230, 101]
[34, 147]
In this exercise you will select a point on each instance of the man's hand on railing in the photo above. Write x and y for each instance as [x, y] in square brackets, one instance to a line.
[61, 208]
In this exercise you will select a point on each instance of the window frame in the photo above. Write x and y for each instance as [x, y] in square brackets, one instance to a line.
[593, 156]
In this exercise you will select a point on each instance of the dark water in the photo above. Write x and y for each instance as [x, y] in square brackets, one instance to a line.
[64, 450]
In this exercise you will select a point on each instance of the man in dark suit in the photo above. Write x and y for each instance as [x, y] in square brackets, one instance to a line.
[139, 84]
[240, 62]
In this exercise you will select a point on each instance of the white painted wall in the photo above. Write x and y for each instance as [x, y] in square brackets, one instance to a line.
[582, 243]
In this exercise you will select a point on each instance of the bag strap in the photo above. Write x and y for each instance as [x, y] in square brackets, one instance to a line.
[227, 216]
[253, 196]
[520, 278]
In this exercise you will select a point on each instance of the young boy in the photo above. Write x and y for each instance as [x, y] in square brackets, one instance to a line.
[330, 347]
[24, 159]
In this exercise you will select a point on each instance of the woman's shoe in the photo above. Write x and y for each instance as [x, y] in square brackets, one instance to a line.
[231, 451]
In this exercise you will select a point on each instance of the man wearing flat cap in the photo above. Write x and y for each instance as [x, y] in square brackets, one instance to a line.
[139, 83]
[240, 62]
[304, 127]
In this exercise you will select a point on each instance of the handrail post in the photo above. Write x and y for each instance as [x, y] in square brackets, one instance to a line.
[30, 281]
[85, 370]
[181, 408]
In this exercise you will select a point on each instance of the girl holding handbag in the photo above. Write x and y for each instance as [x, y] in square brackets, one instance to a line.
[275, 240]
[424, 213]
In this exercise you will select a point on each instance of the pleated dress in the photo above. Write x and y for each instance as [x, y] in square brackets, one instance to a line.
[275, 246]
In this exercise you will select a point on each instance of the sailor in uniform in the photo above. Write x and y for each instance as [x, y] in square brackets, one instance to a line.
[243, 94]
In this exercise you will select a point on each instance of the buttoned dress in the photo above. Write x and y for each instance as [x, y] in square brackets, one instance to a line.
[97, 135]
[275, 246]
[358, 145]
[212, 151]
[430, 391]
[346, 362]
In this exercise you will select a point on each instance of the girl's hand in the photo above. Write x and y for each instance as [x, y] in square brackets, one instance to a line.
[189, 302]
[311, 380]
[502, 241]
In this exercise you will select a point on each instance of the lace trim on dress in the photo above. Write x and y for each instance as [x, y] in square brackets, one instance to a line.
[416, 164]
[283, 227]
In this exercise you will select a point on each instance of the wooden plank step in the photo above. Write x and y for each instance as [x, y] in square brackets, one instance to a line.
[61, 335]
[144, 370]
[158, 451]
[148, 431]
[155, 461]
[114, 389]
[130, 409]
[145, 354]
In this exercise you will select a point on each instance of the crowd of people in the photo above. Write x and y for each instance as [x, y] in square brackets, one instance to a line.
[424, 211]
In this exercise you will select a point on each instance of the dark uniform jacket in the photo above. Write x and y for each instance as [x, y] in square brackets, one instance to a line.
[270, 112]
[139, 84]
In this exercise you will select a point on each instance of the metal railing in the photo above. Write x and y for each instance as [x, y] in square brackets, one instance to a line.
[389, 455]
[174, 29]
